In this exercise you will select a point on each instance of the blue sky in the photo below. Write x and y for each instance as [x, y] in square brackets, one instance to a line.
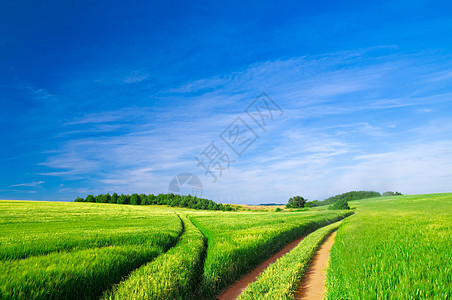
[110, 96]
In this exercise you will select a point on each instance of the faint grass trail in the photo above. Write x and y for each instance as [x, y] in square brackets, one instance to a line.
[176, 274]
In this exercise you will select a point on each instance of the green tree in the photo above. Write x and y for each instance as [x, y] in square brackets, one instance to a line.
[79, 199]
[143, 199]
[312, 203]
[107, 198]
[212, 206]
[99, 198]
[296, 202]
[123, 199]
[114, 198]
[90, 198]
[134, 199]
[152, 199]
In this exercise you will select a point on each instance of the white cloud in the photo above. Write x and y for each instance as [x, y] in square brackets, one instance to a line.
[136, 77]
[332, 138]
[418, 168]
[28, 184]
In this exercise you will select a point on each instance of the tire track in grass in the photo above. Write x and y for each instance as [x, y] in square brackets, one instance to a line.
[239, 242]
[312, 287]
[238, 287]
[173, 275]
[281, 279]
[83, 274]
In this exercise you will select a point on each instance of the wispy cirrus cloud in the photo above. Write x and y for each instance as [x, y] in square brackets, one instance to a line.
[28, 184]
[340, 118]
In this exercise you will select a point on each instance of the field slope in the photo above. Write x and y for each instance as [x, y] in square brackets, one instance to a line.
[394, 248]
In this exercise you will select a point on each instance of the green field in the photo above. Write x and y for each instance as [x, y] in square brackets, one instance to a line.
[394, 248]
[238, 242]
[280, 280]
[390, 248]
[72, 250]
[90, 250]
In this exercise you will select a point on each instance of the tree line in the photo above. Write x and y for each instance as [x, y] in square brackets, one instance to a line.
[160, 199]
[338, 201]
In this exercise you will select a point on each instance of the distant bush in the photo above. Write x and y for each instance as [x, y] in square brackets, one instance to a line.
[313, 203]
[349, 196]
[161, 199]
[339, 204]
[278, 209]
[389, 193]
[354, 195]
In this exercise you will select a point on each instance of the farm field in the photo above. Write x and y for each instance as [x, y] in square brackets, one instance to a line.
[89, 250]
[72, 250]
[390, 248]
[280, 280]
[394, 248]
[238, 242]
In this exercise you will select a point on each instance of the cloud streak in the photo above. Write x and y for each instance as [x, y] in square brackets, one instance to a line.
[28, 184]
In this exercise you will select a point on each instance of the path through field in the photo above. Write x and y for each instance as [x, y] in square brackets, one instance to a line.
[312, 286]
[238, 287]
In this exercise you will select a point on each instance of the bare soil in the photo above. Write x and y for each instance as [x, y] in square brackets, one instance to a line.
[239, 286]
[312, 286]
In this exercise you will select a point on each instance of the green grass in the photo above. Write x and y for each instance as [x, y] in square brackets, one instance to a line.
[36, 228]
[280, 280]
[239, 241]
[394, 248]
[73, 251]
[173, 275]
[86, 250]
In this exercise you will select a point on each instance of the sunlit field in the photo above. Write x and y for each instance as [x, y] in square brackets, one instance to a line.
[394, 248]
[386, 248]
[91, 250]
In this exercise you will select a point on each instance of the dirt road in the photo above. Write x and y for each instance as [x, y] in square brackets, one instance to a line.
[312, 286]
[238, 287]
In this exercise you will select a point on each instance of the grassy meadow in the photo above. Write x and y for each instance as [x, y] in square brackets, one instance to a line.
[239, 241]
[91, 250]
[394, 248]
[175, 274]
[280, 280]
[77, 250]
[390, 248]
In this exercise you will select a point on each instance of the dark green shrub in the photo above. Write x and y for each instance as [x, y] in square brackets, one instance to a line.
[339, 204]
[79, 199]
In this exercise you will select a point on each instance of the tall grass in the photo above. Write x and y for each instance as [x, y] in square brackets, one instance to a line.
[238, 242]
[280, 280]
[78, 272]
[37, 228]
[394, 248]
[173, 275]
